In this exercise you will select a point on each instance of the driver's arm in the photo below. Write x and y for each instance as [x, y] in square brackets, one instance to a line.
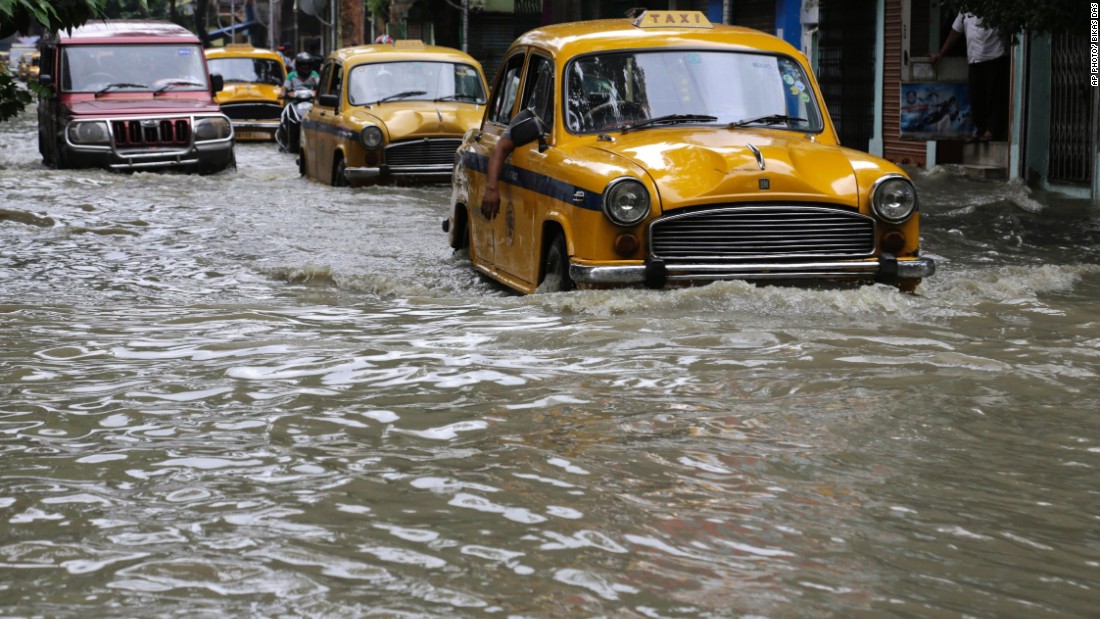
[490, 200]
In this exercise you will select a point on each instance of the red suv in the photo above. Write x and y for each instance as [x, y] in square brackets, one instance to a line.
[131, 95]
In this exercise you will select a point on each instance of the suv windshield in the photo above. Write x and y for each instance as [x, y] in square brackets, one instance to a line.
[414, 81]
[91, 68]
[616, 90]
[248, 70]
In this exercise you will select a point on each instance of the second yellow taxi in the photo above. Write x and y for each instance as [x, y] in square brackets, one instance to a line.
[253, 85]
[390, 113]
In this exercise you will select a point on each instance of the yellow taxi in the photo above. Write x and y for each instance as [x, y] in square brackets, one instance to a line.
[252, 97]
[26, 61]
[34, 66]
[666, 151]
[391, 113]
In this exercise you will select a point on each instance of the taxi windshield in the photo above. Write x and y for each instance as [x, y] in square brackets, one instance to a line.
[625, 89]
[249, 70]
[91, 68]
[414, 81]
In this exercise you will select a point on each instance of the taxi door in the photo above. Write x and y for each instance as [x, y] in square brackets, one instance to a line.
[486, 234]
[319, 128]
[518, 249]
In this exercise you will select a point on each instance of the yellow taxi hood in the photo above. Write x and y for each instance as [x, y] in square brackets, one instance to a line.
[404, 119]
[693, 167]
[247, 91]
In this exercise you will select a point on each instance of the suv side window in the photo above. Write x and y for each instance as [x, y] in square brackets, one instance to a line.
[539, 89]
[507, 87]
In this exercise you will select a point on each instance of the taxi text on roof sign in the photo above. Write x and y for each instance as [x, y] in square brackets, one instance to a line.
[672, 19]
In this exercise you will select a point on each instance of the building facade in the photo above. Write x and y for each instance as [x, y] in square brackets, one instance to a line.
[865, 52]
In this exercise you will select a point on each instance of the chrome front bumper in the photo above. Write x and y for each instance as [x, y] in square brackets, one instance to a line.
[658, 274]
[255, 125]
[422, 173]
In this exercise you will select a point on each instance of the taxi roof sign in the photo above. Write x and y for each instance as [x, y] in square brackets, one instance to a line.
[408, 44]
[672, 19]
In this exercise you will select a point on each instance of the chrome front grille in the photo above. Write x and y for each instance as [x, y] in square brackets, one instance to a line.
[422, 153]
[174, 132]
[762, 232]
[252, 111]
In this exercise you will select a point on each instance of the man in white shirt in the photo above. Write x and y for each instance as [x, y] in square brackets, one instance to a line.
[988, 73]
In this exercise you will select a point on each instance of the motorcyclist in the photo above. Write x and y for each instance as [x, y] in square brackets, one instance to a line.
[304, 75]
[298, 90]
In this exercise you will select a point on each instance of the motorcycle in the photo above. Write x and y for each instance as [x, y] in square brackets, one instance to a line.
[289, 133]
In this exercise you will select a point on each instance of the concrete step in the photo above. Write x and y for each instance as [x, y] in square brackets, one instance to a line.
[986, 153]
[985, 172]
[985, 160]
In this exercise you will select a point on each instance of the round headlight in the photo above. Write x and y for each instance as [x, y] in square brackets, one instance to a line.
[214, 128]
[88, 133]
[894, 198]
[371, 136]
[626, 202]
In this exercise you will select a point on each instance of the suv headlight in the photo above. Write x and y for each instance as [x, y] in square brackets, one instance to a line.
[94, 132]
[626, 201]
[894, 198]
[212, 128]
[371, 137]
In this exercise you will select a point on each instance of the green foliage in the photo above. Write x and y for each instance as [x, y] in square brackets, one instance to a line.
[53, 15]
[1015, 16]
[13, 97]
[378, 7]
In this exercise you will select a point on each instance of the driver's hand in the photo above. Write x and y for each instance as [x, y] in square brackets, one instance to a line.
[490, 202]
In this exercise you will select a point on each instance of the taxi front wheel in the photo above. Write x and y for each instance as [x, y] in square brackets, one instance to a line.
[555, 268]
[339, 179]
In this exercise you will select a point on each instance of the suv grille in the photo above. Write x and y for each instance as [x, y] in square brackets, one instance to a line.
[152, 132]
[426, 152]
[763, 231]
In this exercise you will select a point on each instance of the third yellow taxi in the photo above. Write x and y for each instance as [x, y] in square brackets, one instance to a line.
[665, 150]
[390, 112]
[253, 86]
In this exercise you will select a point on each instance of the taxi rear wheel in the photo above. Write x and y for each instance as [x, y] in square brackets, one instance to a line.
[555, 267]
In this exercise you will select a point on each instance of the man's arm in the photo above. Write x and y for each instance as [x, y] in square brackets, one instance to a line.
[490, 200]
[952, 38]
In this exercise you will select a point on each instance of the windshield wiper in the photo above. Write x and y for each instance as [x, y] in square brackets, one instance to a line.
[456, 97]
[402, 95]
[176, 83]
[670, 119]
[114, 85]
[770, 119]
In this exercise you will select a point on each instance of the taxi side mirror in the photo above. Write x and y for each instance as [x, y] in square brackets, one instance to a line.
[217, 83]
[328, 100]
[526, 128]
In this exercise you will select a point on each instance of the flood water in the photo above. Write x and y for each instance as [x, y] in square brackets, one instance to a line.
[249, 395]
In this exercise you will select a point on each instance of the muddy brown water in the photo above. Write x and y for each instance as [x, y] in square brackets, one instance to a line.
[250, 395]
